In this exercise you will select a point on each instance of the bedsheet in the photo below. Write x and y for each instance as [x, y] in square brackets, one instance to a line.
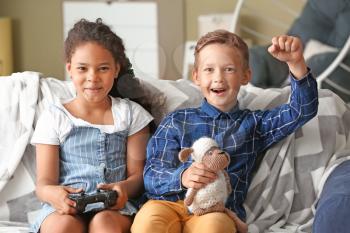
[287, 185]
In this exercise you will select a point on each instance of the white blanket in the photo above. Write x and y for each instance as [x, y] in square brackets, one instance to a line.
[22, 98]
[18, 98]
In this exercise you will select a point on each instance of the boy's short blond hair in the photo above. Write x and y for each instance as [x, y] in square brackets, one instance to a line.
[223, 37]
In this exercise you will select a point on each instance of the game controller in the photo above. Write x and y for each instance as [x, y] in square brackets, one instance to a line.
[108, 197]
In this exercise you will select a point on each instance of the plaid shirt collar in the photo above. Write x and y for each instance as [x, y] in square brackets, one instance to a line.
[215, 113]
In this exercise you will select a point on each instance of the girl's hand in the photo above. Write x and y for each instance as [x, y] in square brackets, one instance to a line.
[289, 49]
[59, 198]
[122, 193]
[197, 176]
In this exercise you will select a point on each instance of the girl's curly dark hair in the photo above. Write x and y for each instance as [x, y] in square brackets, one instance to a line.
[126, 85]
[85, 31]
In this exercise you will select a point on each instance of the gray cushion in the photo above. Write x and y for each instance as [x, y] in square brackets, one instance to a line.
[339, 77]
[312, 24]
[323, 20]
[266, 70]
[341, 29]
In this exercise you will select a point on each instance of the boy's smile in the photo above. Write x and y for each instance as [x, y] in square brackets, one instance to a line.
[218, 91]
[220, 74]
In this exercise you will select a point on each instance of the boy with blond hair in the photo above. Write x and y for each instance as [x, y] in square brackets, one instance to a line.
[221, 68]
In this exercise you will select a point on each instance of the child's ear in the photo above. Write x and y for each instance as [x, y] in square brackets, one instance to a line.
[195, 77]
[68, 67]
[117, 69]
[247, 75]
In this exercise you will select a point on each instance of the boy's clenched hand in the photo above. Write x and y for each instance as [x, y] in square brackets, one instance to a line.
[289, 49]
[197, 176]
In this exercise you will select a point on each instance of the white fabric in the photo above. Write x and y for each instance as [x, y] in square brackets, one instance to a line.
[18, 98]
[54, 125]
[10, 227]
[314, 47]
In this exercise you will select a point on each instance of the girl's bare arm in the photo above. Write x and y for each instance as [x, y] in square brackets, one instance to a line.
[47, 188]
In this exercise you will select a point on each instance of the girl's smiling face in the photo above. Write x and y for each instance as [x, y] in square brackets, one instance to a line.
[93, 70]
[220, 74]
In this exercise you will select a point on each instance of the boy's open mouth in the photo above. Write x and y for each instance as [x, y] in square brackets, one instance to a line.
[218, 90]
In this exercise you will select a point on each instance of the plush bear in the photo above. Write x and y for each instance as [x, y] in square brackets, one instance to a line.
[213, 196]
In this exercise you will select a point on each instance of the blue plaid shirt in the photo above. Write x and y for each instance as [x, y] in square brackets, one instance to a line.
[242, 133]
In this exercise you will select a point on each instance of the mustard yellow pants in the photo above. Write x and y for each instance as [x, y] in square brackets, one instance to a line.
[172, 217]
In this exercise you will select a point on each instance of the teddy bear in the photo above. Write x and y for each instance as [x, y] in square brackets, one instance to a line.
[213, 196]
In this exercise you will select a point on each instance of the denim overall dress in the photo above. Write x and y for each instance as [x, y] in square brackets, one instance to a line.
[89, 157]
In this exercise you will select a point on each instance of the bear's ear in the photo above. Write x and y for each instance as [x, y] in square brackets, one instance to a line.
[184, 153]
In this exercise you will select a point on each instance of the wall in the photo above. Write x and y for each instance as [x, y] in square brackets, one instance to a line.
[38, 35]
[254, 14]
[194, 8]
[171, 37]
[6, 56]
[260, 20]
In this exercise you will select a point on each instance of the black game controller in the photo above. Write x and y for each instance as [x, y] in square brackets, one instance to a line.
[108, 197]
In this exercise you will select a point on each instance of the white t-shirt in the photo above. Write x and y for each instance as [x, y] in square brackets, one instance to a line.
[55, 123]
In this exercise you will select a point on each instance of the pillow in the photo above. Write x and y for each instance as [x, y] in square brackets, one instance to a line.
[313, 23]
[267, 71]
[162, 97]
[314, 47]
[326, 21]
[341, 29]
[159, 97]
[319, 56]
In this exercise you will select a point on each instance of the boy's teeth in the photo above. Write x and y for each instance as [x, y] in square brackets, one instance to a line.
[217, 90]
